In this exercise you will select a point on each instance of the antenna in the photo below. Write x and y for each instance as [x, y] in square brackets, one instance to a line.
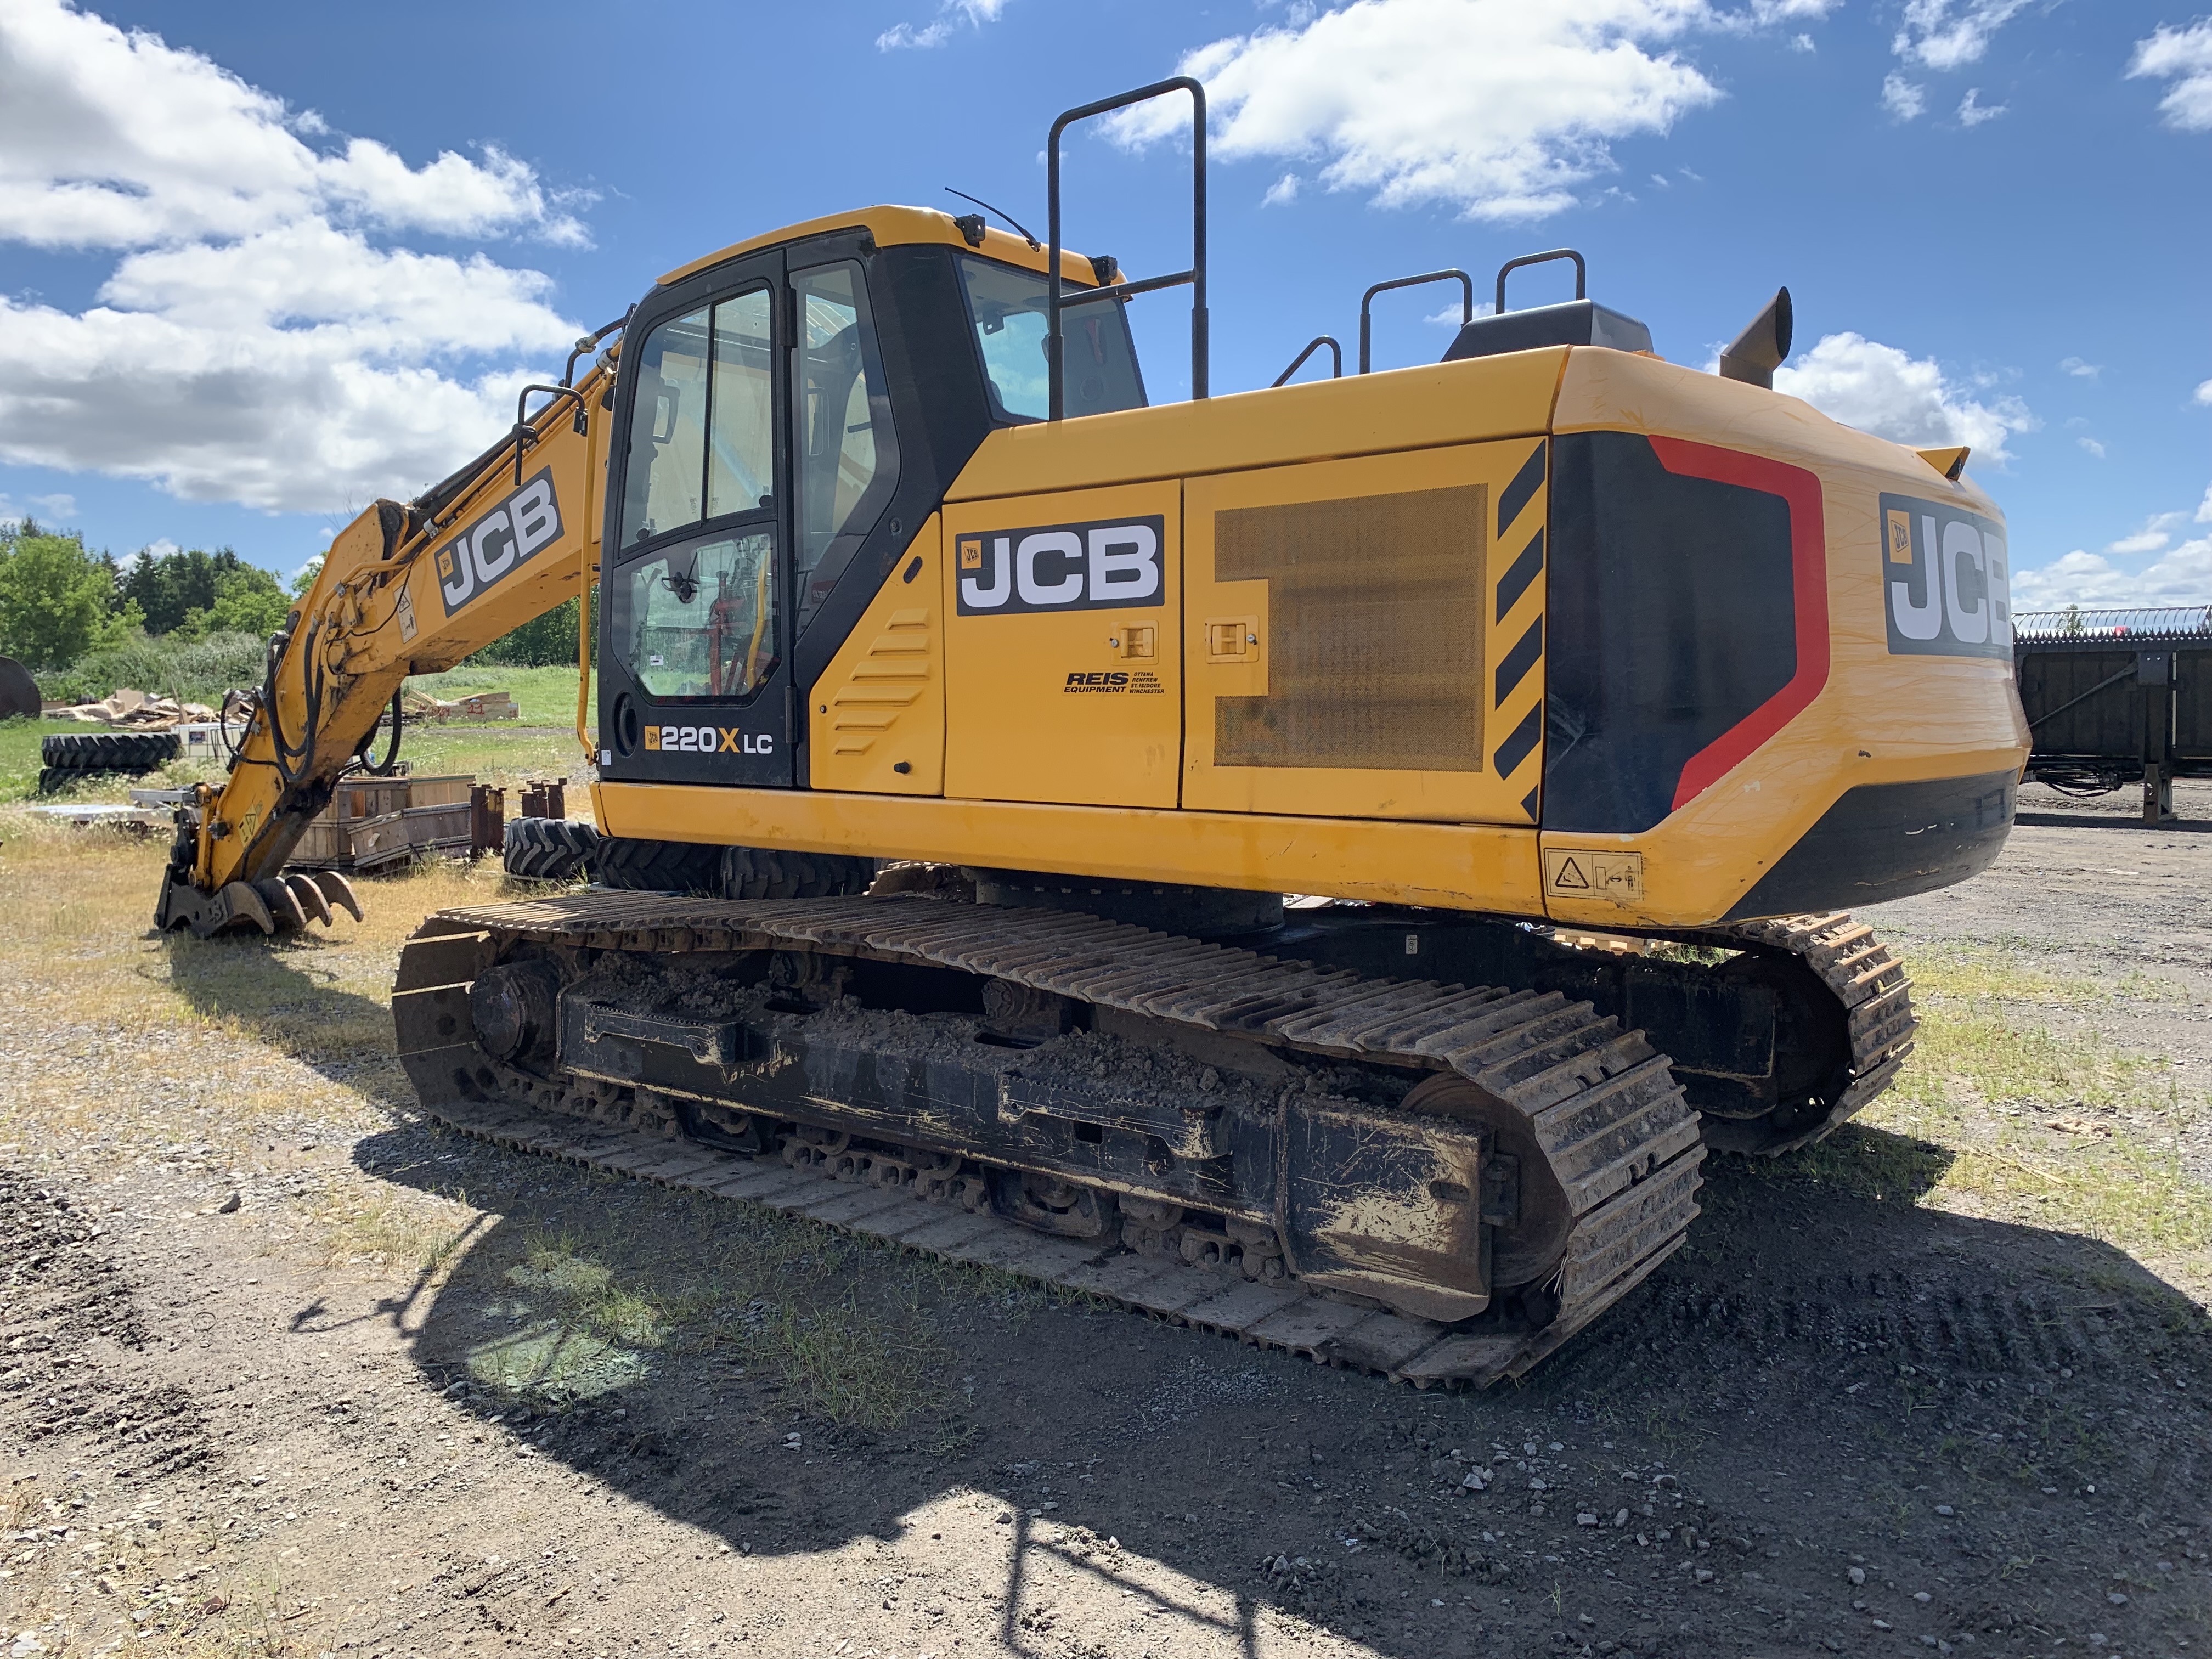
[1001, 212]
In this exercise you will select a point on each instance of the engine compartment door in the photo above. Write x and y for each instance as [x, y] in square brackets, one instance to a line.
[1365, 638]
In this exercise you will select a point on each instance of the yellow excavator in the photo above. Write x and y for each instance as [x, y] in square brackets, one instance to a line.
[1323, 863]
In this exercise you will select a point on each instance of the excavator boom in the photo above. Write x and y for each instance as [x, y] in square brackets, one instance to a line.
[406, 588]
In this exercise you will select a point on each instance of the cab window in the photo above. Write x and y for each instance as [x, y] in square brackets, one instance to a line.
[699, 621]
[702, 440]
[1007, 307]
[847, 451]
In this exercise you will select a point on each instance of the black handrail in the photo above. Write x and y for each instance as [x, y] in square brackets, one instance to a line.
[1582, 271]
[524, 435]
[1367, 301]
[1056, 405]
[1336, 360]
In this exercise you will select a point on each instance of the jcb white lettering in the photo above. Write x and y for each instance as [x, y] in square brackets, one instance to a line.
[535, 519]
[1963, 570]
[978, 596]
[1033, 588]
[1125, 564]
[1924, 621]
[455, 579]
[1998, 577]
[526, 523]
[1957, 559]
[1095, 565]
[494, 531]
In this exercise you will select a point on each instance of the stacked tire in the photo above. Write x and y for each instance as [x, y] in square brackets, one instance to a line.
[737, 872]
[549, 849]
[67, 760]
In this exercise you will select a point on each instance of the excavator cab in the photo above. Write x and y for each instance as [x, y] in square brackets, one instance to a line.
[787, 419]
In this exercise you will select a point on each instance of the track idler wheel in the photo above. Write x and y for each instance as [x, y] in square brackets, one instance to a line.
[1522, 1200]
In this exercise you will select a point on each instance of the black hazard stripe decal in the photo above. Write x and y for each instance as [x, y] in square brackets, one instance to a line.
[1519, 575]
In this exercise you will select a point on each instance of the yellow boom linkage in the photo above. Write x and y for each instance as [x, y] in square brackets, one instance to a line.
[406, 589]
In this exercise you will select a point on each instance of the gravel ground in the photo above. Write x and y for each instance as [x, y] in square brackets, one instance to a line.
[303, 1423]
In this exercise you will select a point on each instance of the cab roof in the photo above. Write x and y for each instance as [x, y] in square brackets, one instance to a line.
[893, 226]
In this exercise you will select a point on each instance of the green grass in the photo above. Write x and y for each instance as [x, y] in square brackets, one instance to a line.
[502, 753]
[592, 1310]
[546, 696]
[1995, 1115]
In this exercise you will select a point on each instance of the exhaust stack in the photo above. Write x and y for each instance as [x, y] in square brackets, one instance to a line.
[1756, 353]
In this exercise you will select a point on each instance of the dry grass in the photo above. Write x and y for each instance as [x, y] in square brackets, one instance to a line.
[2033, 1127]
[237, 1046]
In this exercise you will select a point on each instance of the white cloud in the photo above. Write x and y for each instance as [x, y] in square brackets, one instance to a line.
[2183, 55]
[2157, 531]
[1973, 113]
[2093, 446]
[1803, 43]
[941, 28]
[1499, 108]
[56, 506]
[2080, 370]
[1909, 400]
[288, 371]
[253, 344]
[1449, 316]
[1948, 34]
[1282, 193]
[2205, 393]
[113, 140]
[1902, 98]
[2183, 576]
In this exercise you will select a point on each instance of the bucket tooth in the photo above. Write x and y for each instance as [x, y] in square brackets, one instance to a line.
[338, 890]
[284, 908]
[309, 897]
[238, 901]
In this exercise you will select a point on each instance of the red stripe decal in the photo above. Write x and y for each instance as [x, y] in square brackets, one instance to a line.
[1808, 564]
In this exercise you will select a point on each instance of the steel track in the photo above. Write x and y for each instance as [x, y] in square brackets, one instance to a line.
[1876, 997]
[1600, 1101]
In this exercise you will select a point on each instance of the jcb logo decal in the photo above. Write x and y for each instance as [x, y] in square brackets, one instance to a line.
[1063, 566]
[1946, 581]
[499, 543]
[707, 740]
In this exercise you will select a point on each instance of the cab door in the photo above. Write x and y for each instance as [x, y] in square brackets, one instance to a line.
[695, 677]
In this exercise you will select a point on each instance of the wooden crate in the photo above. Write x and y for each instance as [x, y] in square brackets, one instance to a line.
[332, 840]
[397, 837]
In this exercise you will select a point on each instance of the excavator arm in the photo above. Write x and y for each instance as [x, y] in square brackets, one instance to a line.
[405, 589]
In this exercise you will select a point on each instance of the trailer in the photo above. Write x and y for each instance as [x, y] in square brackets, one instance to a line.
[2116, 697]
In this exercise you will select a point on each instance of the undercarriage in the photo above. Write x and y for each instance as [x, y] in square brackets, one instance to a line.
[1439, 1179]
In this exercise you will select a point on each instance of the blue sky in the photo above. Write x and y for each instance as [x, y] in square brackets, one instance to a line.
[259, 262]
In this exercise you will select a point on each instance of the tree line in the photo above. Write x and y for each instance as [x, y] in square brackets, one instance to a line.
[60, 602]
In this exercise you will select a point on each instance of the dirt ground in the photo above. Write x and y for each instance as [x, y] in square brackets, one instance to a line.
[286, 1371]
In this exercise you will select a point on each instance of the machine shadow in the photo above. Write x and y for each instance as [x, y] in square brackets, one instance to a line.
[791, 1390]
[285, 992]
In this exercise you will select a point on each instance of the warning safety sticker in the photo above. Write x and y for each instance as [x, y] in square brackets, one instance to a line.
[1582, 872]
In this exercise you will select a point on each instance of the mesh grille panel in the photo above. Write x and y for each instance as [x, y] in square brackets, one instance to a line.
[1375, 632]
